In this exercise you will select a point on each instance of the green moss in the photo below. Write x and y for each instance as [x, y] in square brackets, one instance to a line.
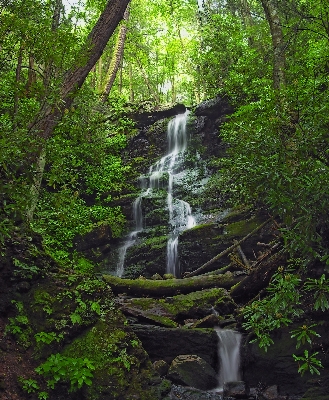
[121, 365]
[241, 228]
[166, 311]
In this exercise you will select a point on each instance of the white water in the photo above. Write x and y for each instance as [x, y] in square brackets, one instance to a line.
[162, 175]
[131, 238]
[229, 356]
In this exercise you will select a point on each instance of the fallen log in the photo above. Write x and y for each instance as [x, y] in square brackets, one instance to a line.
[228, 250]
[170, 287]
[258, 279]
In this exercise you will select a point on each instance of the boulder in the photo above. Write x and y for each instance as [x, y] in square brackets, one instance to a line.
[188, 393]
[207, 322]
[192, 370]
[237, 390]
[177, 309]
[161, 367]
[270, 393]
[167, 343]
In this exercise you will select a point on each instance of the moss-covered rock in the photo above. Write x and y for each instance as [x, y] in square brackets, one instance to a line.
[172, 311]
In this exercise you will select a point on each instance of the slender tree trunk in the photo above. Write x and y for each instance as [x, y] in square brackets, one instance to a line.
[50, 113]
[148, 83]
[279, 60]
[131, 88]
[121, 76]
[100, 77]
[74, 78]
[18, 78]
[117, 56]
[32, 77]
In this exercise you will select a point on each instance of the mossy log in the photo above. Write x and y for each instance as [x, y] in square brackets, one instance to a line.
[258, 279]
[170, 287]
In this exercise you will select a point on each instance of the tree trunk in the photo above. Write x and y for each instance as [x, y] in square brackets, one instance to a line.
[117, 56]
[51, 113]
[152, 92]
[131, 87]
[74, 78]
[18, 78]
[170, 287]
[279, 60]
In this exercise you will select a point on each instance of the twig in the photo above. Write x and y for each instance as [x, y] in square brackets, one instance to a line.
[228, 250]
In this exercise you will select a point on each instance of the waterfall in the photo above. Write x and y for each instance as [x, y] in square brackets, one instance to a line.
[162, 175]
[180, 213]
[229, 355]
[131, 238]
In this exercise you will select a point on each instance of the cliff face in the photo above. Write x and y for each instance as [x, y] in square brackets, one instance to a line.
[147, 256]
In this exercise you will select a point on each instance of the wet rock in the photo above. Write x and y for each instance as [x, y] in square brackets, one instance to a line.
[270, 393]
[237, 390]
[178, 309]
[207, 322]
[189, 393]
[167, 343]
[206, 241]
[192, 370]
[161, 367]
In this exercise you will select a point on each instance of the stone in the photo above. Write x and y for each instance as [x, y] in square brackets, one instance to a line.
[192, 370]
[270, 393]
[207, 322]
[189, 393]
[145, 119]
[161, 367]
[167, 343]
[237, 390]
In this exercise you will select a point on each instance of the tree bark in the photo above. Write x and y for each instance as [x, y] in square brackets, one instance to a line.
[170, 287]
[88, 56]
[51, 113]
[279, 60]
[117, 56]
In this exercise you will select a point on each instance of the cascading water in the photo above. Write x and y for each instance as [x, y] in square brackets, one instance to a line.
[168, 169]
[131, 238]
[229, 355]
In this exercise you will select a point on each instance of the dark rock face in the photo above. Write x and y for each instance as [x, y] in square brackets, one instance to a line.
[191, 370]
[214, 108]
[277, 367]
[168, 343]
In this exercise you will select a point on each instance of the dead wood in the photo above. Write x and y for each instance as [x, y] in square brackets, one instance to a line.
[225, 252]
[170, 287]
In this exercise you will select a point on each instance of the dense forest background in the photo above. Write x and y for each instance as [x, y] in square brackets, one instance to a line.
[269, 58]
[73, 78]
